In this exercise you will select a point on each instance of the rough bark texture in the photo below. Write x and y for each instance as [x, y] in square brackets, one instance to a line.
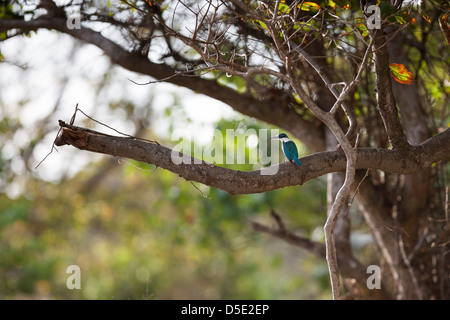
[244, 182]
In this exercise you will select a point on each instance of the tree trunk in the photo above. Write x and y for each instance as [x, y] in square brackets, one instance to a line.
[399, 208]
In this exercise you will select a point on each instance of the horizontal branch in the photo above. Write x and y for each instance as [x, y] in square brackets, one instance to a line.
[349, 267]
[404, 161]
[316, 248]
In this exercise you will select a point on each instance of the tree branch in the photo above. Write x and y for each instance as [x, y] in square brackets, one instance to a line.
[385, 96]
[316, 248]
[282, 116]
[244, 182]
[350, 267]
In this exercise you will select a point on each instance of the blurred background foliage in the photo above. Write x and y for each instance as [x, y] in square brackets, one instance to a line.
[143, 233]
[135, 231]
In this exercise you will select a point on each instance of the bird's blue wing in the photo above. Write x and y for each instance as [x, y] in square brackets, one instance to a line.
[291, 152]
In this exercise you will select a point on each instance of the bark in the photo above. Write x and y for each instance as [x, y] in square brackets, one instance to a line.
[243, 182]
[415, 188]
[385, 97]
[404, 218]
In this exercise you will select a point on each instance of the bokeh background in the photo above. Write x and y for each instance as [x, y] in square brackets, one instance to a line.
[136, 232]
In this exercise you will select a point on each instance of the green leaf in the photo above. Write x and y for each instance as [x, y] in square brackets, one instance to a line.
[310, 6]
[331, 4]
[262, 24]
[400, 19]
[362, 27]
[283, 8]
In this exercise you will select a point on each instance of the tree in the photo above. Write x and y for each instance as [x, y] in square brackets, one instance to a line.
[361, 84]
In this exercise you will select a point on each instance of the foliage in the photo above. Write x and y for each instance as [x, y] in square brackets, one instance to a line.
[151, 235]
[143, 234]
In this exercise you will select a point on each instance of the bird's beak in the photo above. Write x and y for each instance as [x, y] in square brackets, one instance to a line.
[272, 138]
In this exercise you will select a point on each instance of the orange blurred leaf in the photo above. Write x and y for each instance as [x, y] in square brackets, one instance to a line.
[400, 73]
[425, 16]
[332, 4]
[309, 6]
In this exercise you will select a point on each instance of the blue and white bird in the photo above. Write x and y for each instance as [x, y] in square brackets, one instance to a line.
[289, 148]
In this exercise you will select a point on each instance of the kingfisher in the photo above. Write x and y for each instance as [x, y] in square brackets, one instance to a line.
[289, 148]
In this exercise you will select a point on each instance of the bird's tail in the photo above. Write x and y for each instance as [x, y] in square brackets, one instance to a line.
[297, 161]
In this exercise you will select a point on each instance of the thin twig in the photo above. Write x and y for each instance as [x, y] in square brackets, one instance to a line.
[51, 150]
[109, 127]
[203, 195]
[409, 267]
[356, 191]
